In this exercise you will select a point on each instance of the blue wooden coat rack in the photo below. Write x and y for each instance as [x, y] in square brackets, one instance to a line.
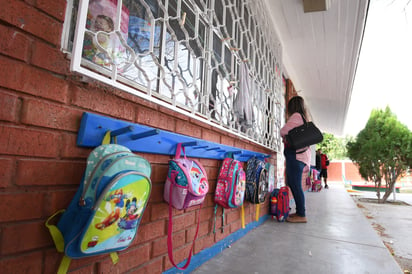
[139, 138]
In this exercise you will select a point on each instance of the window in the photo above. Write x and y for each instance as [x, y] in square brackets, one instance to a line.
[213, 60]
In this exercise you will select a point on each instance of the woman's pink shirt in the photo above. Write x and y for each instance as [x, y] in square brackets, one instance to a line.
[296, 120]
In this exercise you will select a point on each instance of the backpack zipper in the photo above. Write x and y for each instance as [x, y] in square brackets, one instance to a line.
[82, 201]
[111, 164]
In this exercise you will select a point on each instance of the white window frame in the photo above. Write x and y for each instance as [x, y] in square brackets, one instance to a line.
[265, 80]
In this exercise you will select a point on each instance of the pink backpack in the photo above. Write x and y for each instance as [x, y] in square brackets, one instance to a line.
[186, 185]
[230, 187]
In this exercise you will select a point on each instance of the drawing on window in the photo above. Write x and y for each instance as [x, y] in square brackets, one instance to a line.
[103, 44]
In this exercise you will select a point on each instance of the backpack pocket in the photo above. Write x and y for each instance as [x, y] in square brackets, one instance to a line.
[116, 214]
[239, 191]
[186, 184]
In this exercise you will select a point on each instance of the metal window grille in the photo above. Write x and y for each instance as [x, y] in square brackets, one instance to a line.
[214, 60]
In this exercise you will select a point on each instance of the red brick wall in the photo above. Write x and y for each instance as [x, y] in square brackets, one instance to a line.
[41, 166]
[351, 172]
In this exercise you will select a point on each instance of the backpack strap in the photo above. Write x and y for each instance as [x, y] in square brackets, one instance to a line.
[223, 220]
[179, 150]
[169, 235]
[55, 233]
[243, 216]
[257, 212]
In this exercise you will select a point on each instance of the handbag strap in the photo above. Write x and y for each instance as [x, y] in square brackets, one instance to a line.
[179, 150]
[170, 238]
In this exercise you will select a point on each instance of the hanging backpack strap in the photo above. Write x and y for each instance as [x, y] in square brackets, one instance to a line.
[223, 220]
[169, 235]
[55, 233]
[257, 212]
[214, 221]
[243, 216]
[58, 240]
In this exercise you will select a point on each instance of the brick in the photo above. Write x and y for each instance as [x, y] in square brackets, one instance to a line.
[184, 221]
[52, 260]
[160, 245]
[49, 58]
[56, 8]
[104, 102]
[185, 128]
[24, 237]
[24, 263]
[159, 211]
[130, 258]
[49, 172]
[22, 77]
[173, 113]
[207, 213]
[45, 114]
[212, 174]
[235, 226]
[179, 254]
[218, 236]
[226, 140]
[152, 117]
[25, 17]
[21, 141]
[151, 231]
[156, 158]
[9, 107]
[234, 214]
[157, 193]
[57, 200]
[205, 228]
[11, 205]
[204, 242]
[153, 267]
[69, 148]
[159, 173]
[14, 43]
[6, 172]
[211, 136]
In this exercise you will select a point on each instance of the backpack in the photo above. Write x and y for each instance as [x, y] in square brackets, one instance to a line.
[256, 181]
[230, 187]
[316, 185]
[279, 205]
[186, 186]
[104, 215]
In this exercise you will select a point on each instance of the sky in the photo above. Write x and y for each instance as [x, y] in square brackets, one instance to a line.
[384, 73]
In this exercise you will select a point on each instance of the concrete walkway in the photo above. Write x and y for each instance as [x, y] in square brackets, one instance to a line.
[337, 239]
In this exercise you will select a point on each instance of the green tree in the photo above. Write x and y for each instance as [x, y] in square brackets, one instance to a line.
[382, 150]
[334, 147]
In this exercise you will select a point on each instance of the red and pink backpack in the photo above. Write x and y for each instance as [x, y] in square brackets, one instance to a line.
[230, 187]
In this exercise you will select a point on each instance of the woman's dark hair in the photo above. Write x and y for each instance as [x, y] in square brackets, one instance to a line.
[296, 104]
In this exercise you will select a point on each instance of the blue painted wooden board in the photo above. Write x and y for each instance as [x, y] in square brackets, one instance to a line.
[140, 138]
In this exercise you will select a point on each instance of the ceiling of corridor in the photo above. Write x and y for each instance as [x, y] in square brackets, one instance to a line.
[320, 54]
